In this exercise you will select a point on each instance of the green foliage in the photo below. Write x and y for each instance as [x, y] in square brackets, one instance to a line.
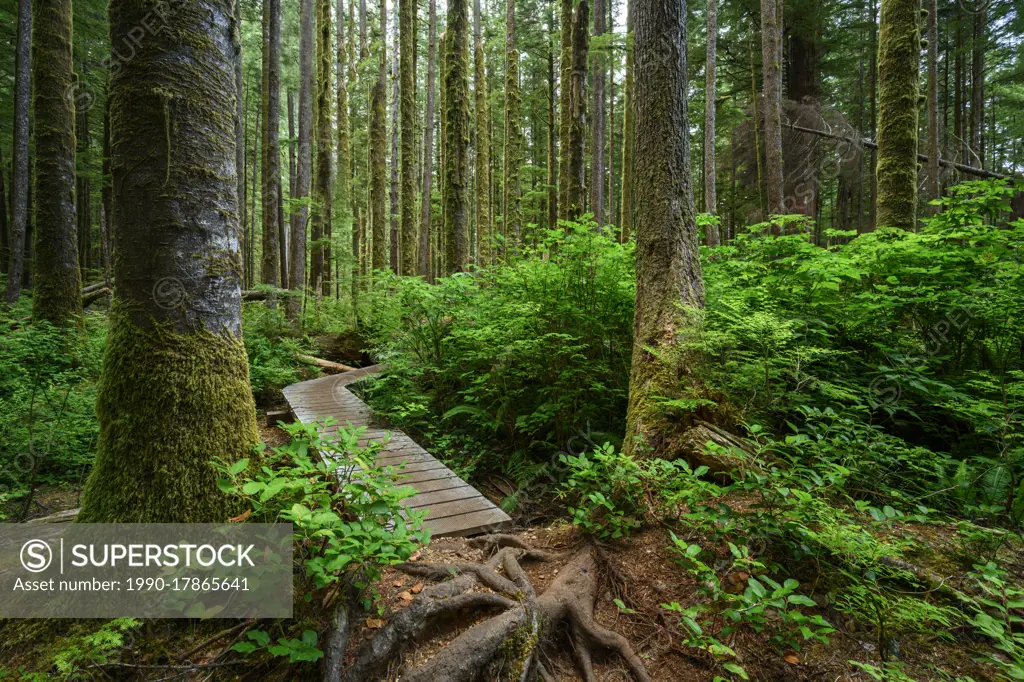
[47, 404]
[606, 490]
[996, 618]
[518, 358]
[271, 350]
[296, 650]
[94, 648]
[347, 513]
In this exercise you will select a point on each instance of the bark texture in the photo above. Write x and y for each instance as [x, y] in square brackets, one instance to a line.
[56, 294]
[378, 155]
[456, 162]
[428, 146]
[271, 171]
[934, 184]
[668, 271]
[899, 59]
[344, 169]
[564, 108]
[771, 60]
[628, 128]
[597, 132]
[710, 94]
[304, 165]
[575, 178]
[511, 211]
[323, 213]
[19, 163]
[175, 389]
[482, 168]
[407, 70]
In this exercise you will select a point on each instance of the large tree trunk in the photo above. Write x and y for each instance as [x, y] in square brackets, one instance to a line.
[597, 128]
[378, 153]
[428, 147]
[575, 179]
[933, 186]
[456, 85]
[304, 169]
[175, 389]
[19, 162]
[57, 291]
[978, 82]
[407, 71]
[271, 170]
[899, 59]
[710, 189]
[512, 221]
[5, 241]
[771, 57]
[344, 169]
[564, 109]
[668, 271]
[83, 185]
[482, 168]
[628, 139]
[322, 215]
[239, 126]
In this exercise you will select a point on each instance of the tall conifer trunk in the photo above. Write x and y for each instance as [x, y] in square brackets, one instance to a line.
[510, 209]
[304, 164]
[174, 393]
[428, 148]
[483, 143]
[19, 161]
[271, 171]
[628, 127]
[456, 163]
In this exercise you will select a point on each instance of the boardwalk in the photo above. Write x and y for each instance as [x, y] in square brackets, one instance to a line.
[454, 506]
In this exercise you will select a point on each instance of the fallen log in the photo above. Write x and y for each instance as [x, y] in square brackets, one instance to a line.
[324, 364]
[93, 296]
[254, 295]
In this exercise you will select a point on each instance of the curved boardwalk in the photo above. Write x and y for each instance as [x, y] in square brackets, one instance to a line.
[454, 506]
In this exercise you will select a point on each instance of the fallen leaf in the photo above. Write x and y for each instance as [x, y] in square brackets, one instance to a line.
[417, 588]
[791, 658]
[415, 556]
[241, 517]
[405, 596]
[398, 583]
[374, 623]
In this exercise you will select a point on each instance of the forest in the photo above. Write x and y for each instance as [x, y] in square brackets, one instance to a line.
[586, 340]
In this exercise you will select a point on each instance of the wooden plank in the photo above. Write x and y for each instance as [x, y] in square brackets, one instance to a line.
[453, 506]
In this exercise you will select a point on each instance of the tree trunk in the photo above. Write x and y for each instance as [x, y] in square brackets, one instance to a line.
[710, 94]
[407, 93]
[552, 178]
[668, 271]
[564, 110]
[291, 145]
[19, 163]
[393, 213]
[771, 51]
[57, 291]
[628, 127]
[378, 153]
[899, 59]
[304, 165]
[239, 129]
[344, 169]
[597, 162]
[5, 241]
[175, 389]
[83, 187]
[575, 178]
[512, 218]
[428, 148]
[934, 188]
[322, 214]
[483, 143]
[271, 171]
[456, 85]
[978, 82]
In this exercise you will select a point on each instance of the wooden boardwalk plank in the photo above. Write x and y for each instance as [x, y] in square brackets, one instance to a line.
[454, 508]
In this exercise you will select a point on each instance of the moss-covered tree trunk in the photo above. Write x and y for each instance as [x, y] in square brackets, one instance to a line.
[710, 94]
[304, 165]
[482, 168]
[19, 161]
[597, 122]
[668, 272]
[378, 154]
[552, 177]
[513, 158]
[575, 178]
[174, 393]
[56, 295]
[934, 180]
[394, 215]
[456, 86]
[322, 214]
[428, 146]
[407, 87]
[628, 127]
[899, 65]
[344, 162]
[564, 109]
[771, 58]
[271, 169]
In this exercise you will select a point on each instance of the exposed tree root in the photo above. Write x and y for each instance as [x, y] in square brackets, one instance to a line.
[506, 646]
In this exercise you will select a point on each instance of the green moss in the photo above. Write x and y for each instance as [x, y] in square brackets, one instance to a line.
[899, 56]
[169, 403]
[513, 218]
[483, 157]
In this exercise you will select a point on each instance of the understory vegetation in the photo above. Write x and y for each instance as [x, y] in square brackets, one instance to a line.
[873, 490]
